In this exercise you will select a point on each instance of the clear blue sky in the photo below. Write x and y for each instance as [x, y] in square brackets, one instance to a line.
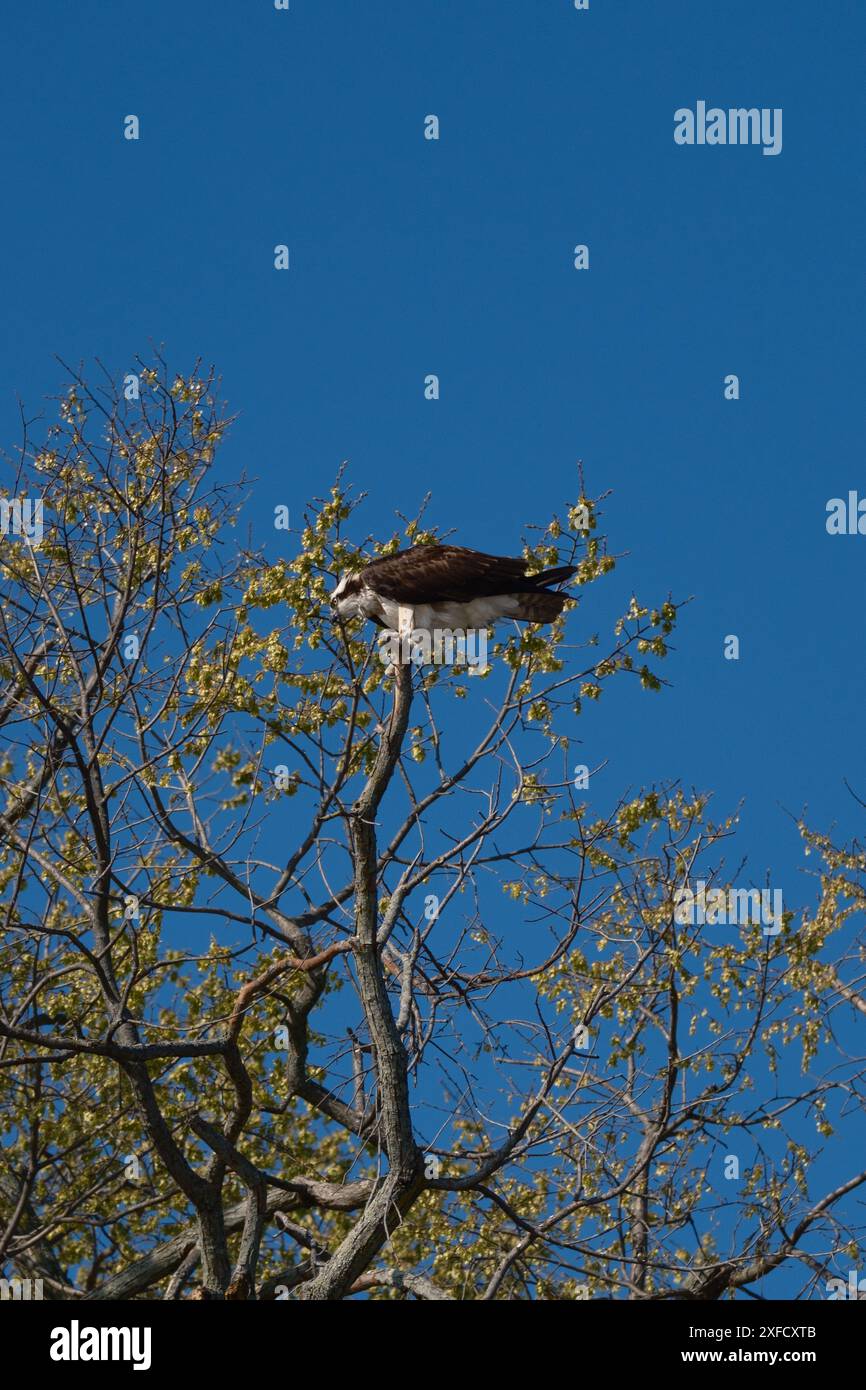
[455, 257]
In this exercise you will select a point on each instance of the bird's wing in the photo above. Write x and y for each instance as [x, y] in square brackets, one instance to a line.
[444, 573]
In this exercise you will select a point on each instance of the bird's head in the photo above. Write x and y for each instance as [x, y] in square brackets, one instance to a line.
[345, 599]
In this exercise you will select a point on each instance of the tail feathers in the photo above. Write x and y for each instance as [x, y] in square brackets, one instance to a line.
[548, 577]
[541, 607]
[542, 604]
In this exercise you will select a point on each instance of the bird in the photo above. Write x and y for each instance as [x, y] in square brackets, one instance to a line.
[431, 587]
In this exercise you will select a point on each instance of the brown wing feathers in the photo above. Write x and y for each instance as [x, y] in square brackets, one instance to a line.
[440, 573]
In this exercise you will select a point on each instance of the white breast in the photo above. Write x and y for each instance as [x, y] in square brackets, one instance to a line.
[432, 617]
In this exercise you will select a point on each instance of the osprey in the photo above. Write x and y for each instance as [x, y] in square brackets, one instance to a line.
[431, 587]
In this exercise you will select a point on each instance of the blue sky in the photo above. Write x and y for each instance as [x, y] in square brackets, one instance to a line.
[454, 257]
